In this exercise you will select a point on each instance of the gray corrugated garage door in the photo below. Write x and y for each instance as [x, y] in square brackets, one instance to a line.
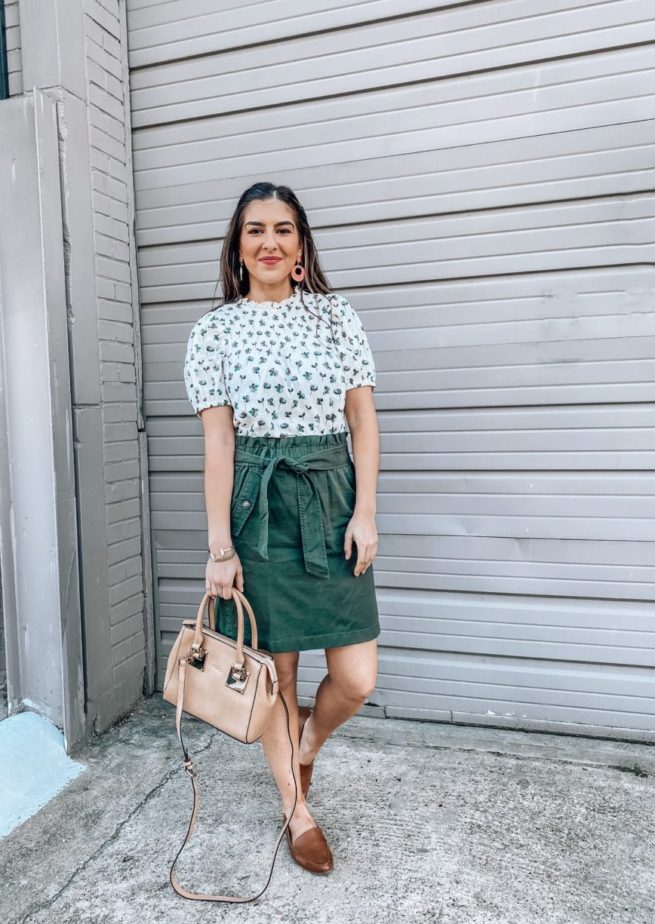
[480, 180]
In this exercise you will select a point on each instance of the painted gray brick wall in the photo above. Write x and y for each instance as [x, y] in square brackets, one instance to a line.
[111, 183]
[14, 62]
[77, 53]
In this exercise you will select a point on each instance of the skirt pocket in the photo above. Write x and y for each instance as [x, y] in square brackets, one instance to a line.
[244, 496]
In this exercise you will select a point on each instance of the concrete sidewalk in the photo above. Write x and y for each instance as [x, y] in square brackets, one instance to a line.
[427, 823]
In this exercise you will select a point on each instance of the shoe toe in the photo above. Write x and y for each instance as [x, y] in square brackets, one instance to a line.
[312, 851]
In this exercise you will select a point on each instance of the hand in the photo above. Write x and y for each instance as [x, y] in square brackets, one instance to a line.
[220, 577]
[362, 530]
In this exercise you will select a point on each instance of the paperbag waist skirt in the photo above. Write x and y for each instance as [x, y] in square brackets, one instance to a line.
[292, 500]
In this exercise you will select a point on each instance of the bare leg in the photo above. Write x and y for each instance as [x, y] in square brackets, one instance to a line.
[351, 678]
[275, 742]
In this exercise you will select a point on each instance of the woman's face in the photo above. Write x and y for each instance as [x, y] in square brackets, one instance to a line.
[269, 231]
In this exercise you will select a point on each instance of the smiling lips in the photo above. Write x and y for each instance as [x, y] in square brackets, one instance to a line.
[270, 260]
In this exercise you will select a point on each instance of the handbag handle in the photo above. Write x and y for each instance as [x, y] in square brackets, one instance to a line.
[254, 632]
[238, 598]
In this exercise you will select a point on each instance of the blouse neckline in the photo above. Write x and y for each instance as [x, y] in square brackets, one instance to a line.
[247, 303]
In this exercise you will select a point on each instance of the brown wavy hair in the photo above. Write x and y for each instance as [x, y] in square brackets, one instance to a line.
[233, 288]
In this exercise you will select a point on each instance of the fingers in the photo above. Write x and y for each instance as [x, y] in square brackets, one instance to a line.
[238, 580]
[365, 556]
[362, 566]
[224, 591]
[365, 553]
[219, 581]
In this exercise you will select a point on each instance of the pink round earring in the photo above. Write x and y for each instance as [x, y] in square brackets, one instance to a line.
[298, 272]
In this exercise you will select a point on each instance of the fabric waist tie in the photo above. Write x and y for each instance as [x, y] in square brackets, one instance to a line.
[312, 528]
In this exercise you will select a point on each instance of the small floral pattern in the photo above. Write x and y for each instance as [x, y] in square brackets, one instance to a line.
[283, 367]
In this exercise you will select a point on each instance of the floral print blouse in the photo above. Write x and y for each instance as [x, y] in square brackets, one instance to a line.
[283, 367]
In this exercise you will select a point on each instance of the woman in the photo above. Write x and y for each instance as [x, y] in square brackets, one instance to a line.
[274, 373]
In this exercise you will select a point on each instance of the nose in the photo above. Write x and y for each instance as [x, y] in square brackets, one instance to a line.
[269, 243]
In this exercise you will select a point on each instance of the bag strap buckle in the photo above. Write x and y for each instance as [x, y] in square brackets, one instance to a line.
[196, 657]
[237, 678]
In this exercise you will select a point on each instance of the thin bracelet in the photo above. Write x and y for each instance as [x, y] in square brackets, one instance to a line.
[224, 557]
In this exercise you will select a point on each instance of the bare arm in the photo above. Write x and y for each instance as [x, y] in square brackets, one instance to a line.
[219, 481]
[362, 421]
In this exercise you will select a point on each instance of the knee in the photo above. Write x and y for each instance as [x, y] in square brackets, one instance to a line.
[357, 688]
[286, 680]
[287, 673]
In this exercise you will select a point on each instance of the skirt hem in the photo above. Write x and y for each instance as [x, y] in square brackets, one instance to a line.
[326, 640]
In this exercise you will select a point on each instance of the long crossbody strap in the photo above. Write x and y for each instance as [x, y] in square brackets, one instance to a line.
[188, 766]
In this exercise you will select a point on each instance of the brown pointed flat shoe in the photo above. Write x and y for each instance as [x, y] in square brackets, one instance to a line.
[306, 770]
[311, 850]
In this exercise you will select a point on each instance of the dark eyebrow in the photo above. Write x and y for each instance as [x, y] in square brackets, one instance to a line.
[285, 222]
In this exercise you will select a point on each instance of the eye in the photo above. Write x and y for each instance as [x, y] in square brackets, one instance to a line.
[280, 230]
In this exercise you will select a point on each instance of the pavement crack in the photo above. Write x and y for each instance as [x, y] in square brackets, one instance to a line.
[117, 831]
[631, 765]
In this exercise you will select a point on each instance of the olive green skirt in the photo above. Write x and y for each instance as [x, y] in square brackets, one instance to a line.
[291, 503]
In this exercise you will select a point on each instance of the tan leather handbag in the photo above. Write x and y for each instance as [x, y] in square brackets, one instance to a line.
[229, 685]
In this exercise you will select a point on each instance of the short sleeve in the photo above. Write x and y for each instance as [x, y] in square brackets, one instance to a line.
[354, 349]
[203, 368]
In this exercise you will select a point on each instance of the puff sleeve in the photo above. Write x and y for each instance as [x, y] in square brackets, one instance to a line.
[203, 367]
[354, 349]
